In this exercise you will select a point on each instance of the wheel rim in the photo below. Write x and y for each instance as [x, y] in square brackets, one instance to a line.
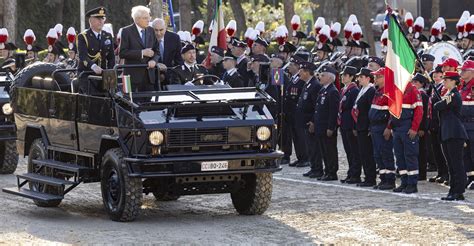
[36, 154]
[113, 189]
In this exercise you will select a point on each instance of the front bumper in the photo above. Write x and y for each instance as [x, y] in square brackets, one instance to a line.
[179, 166]
[7, 132]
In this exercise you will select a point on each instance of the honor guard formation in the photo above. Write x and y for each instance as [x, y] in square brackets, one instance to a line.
[324, 83]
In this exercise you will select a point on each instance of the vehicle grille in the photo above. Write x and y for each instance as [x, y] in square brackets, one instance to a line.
[204, 137]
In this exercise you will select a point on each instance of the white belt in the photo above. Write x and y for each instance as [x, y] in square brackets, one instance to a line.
[378, 107]
[412, 106]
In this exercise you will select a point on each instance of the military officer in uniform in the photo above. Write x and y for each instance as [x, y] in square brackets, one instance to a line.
[346, 122]
[304, 125]
[291, 95]
[190, 70]
[325, 121]
[453, 136]
[375, 63]
[231, 76]
[95, 49]
[217, 55]
[360, 113]
[420, 81]
[238, 50]
[442, 175]
[428, 62]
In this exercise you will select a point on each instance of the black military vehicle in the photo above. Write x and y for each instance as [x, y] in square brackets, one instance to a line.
[186, 141]
[8, 153]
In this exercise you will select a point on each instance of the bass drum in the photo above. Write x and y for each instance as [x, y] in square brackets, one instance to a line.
[444, 50]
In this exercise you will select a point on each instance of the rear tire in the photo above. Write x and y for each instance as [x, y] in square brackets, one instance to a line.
[8, 157]
[121, 194]
[254, 197]
[38, 151]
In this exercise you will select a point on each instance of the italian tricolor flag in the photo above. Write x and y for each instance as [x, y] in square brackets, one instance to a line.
[218, 35]
[399, 66]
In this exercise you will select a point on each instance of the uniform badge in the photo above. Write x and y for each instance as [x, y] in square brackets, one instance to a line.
[107, 42]
[305, 95]
[323, 98]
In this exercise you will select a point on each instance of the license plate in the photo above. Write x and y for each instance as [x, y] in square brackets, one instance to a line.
[214, 165]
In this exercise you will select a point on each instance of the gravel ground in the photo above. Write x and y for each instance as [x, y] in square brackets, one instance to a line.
[303, 211]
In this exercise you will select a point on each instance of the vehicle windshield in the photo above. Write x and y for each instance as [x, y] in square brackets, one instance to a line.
[197, 94]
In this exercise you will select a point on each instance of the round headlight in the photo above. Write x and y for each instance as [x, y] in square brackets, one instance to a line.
[263, 133]
[7, 109]
[156, 138]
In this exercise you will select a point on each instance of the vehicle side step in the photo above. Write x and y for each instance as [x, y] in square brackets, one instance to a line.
[45, 179]
[32, 194]
[60, 166]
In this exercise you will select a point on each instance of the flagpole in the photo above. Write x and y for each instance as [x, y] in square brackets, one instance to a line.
[413, 49]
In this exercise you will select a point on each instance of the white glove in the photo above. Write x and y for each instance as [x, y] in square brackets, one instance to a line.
[189, 83]
[219, 82]
[96, 69]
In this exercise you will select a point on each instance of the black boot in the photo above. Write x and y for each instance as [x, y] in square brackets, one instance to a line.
[410, 189]
[387, 185]
[453, 197]
[400, 188]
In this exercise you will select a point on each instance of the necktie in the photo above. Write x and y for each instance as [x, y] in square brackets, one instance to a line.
[162, 48]
[98, 36]
[143, 36]
[224, 76]
[191, 68]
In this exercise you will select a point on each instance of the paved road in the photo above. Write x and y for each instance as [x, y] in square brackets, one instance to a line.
[304, 211]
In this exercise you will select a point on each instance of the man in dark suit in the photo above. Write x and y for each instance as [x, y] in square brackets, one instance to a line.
[169, 44]
[95, 48]
[139, 46]
[325, 121]
[304, 128]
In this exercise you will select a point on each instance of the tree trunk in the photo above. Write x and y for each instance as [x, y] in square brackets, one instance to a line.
[289, 9]
[156, 7]
[367, 26]
[59, 11]
[210, 11]
[10, 18]
[185, 15]
[434, 10]
[197, 11]
[239, 16]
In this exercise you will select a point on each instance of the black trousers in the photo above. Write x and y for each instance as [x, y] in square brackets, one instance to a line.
[315, 156]
[300, 142]
[328, 147]
[366, 153]
[349, 140]
[287, 137]
[453, 150]
[422, 157]
[439, 156]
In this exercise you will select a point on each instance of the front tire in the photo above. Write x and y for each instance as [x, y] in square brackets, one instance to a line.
[8, 157]
[121, 194]
[254, 197]
[38, 151]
